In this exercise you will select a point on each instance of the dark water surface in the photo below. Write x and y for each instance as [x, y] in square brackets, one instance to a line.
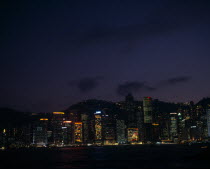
[110, 157]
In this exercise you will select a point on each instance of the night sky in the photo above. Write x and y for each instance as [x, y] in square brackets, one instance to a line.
[57, 53]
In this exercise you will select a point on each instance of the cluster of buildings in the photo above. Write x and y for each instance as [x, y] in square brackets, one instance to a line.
[132, 122]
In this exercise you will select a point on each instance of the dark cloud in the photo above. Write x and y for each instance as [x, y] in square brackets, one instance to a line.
[173, 81]
[133, 87]
[87, 84]
[180, 79]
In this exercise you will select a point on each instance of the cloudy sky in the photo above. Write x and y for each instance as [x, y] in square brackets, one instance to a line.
[56, 53]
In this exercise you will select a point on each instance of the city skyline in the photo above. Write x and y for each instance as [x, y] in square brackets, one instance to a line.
[101, 123]
[57, 54]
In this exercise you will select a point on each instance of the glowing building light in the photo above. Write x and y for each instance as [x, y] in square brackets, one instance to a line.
[67, 122]
[64, 127]
[78, 132]
[173, 113]
[58, 113]
[98, 112]
[43, 119]
[132, 135]
[98, 127]
[147, 107]
[193, 127]
[78, 123]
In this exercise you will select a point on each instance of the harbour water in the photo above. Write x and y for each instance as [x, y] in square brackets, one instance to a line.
[108, 157]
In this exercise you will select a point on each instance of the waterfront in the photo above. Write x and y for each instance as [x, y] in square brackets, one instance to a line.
[108, 157]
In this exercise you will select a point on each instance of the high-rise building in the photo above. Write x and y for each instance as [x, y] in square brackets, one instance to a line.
[121, 127]
[67, 132]
[181, 129]
[164, 133]
[98, 127]
[173, 127]
[109, 129]
[40, 137]
[3, 138]
[133, 135]
[156, 116]
[147, 106]
[78, 132]
[140, 123]
[148, 128]
[57, 128]
[86, 128]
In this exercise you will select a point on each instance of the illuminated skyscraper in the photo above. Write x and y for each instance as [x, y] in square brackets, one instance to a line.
[86, 128]
[67, 132]
[182, 137]
[57, 130]
[140, 123]
[173, 127]
[147, 106]
[121, 139]
[148, 128]
[78, 132]
[98, 127]
[108, 129]
[40, 132]
[133, 135]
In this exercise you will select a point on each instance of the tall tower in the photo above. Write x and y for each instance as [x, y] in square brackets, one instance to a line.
[147, 106]
[85, 122]
[173, 127]
[148, 129]
[57, 124]
[98, 127]
[78, 132]
[120, 127]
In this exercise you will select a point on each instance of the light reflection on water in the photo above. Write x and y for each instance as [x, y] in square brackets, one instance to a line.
[112, 157]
